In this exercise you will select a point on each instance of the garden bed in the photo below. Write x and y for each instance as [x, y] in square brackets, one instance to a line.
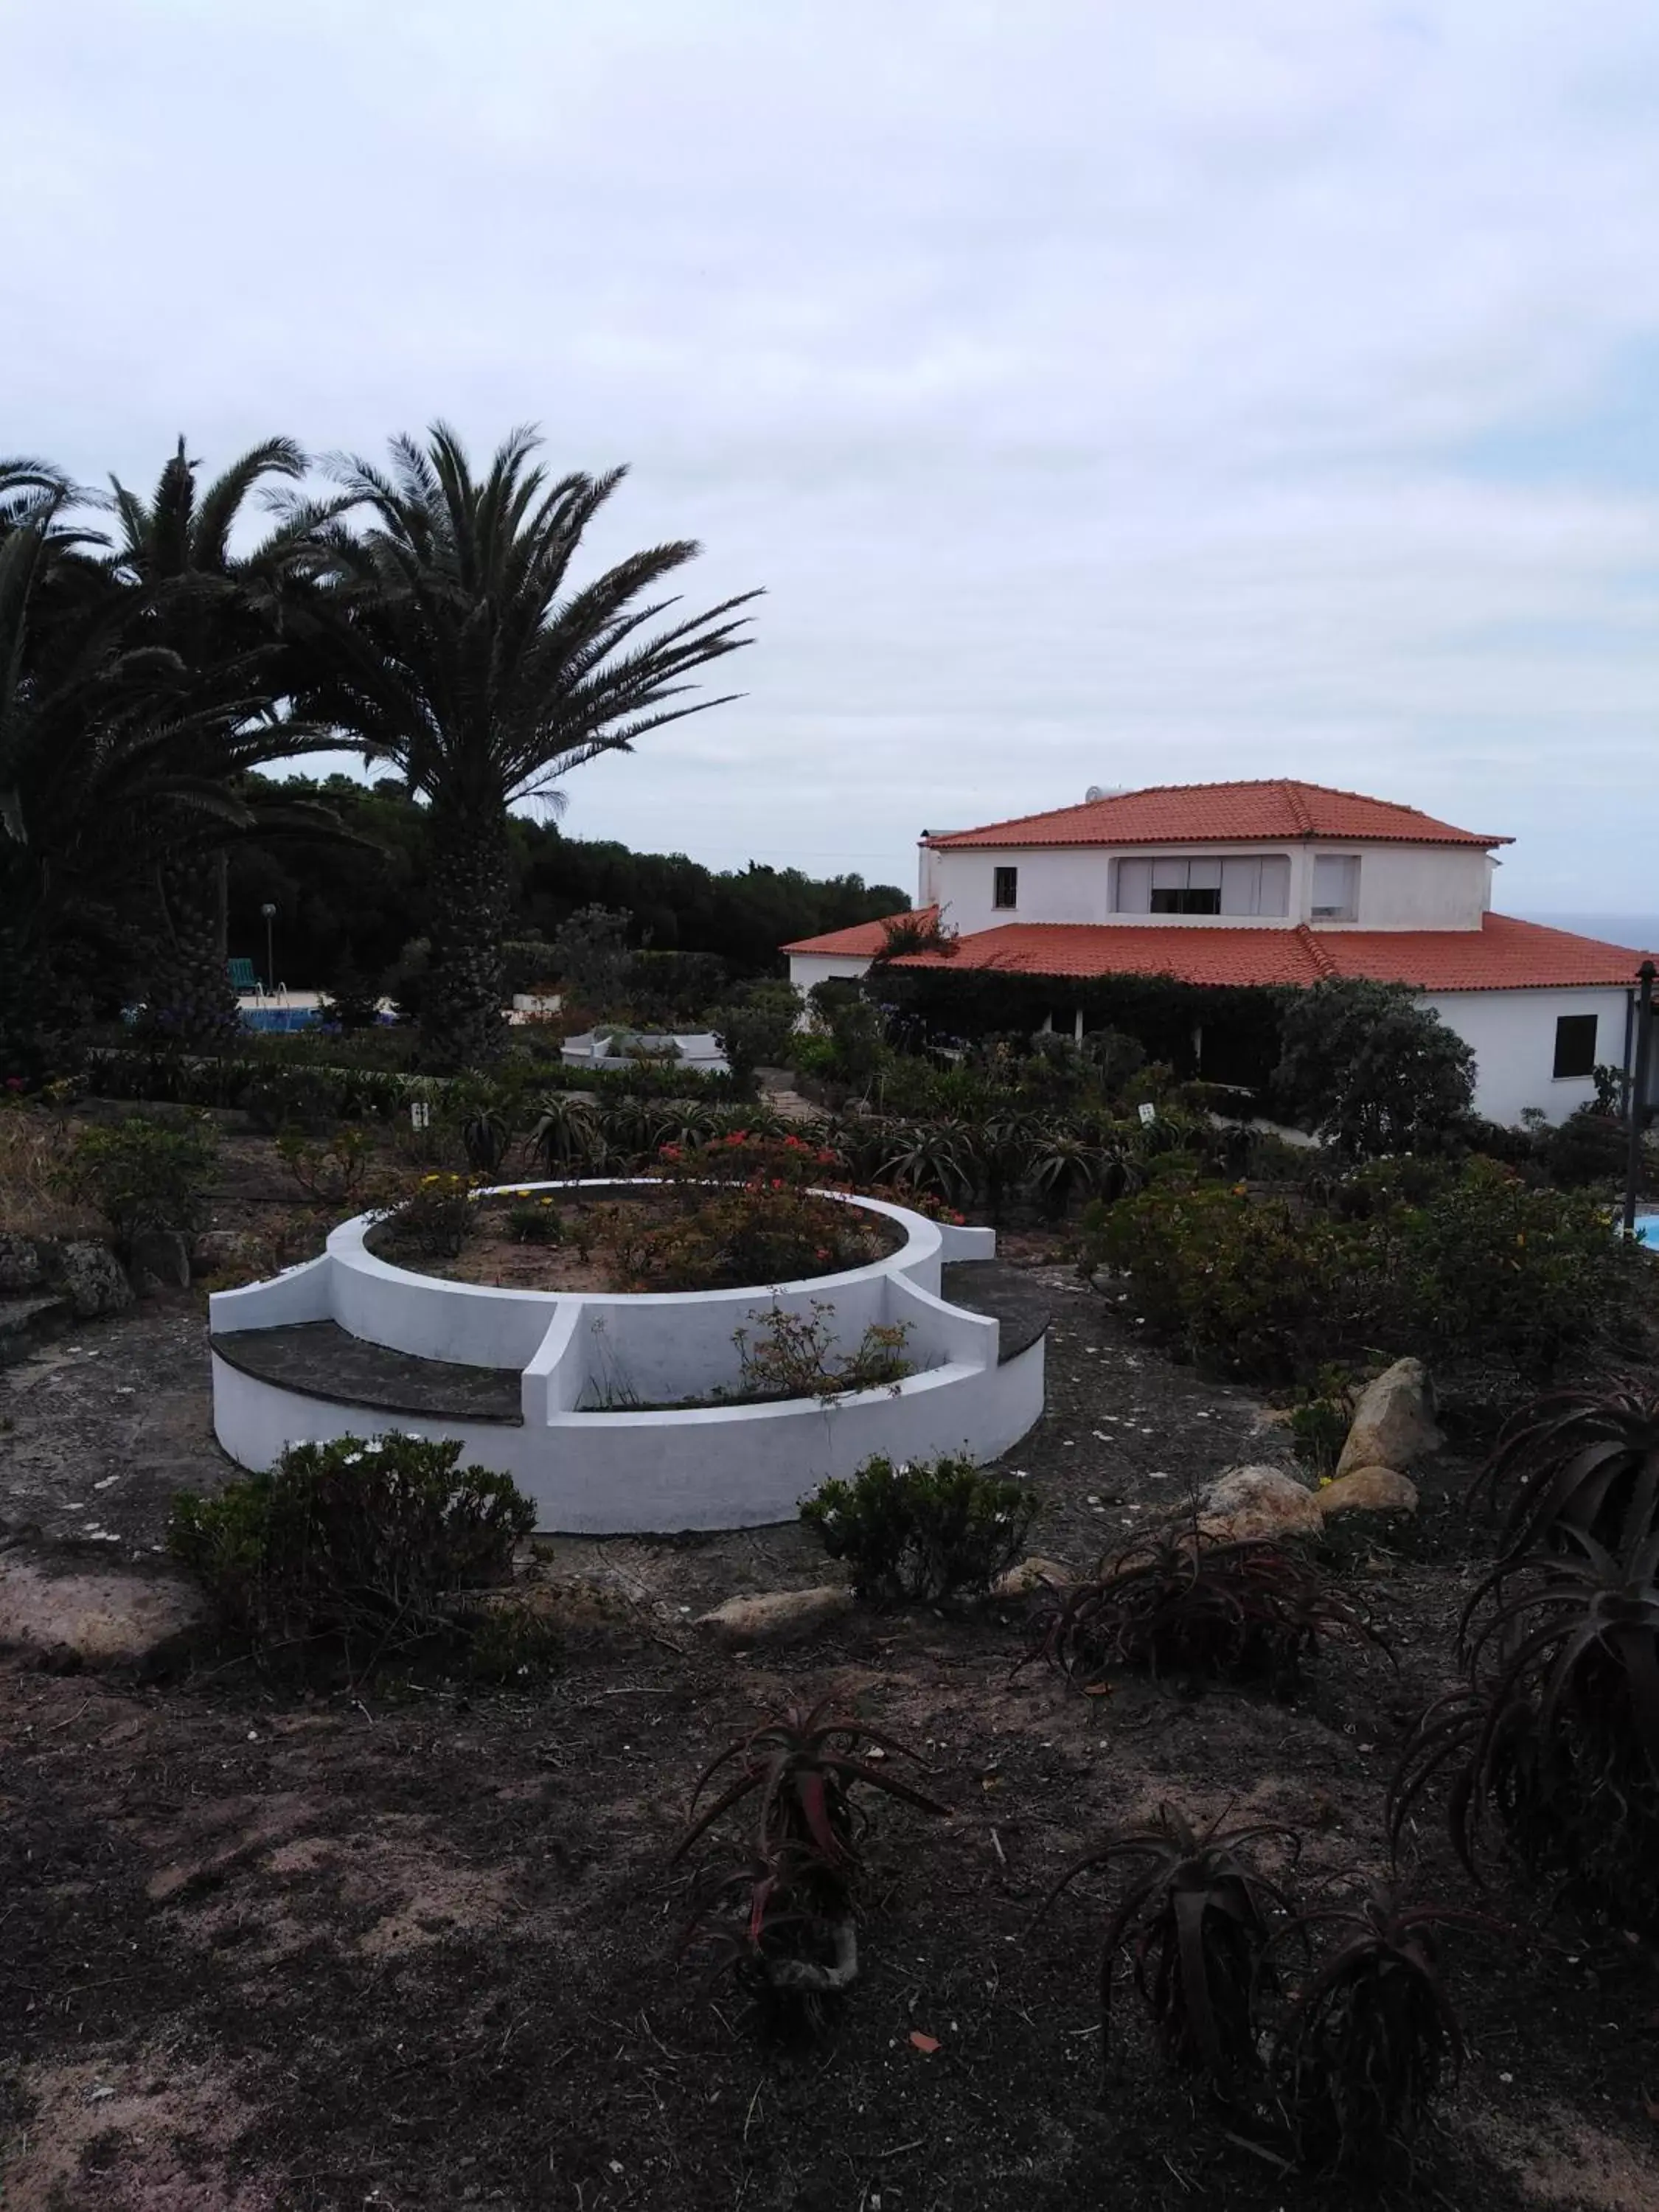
[635, 1238]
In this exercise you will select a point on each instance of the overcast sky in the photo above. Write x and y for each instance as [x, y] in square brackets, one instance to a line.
[1103, 392]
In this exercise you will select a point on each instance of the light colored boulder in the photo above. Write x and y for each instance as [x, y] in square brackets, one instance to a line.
[1248, 1502]
[1368, 1489]
[1033, 1574]
[1393, 1424]
[777, 1616]
[91, 1277]
[101, 1619]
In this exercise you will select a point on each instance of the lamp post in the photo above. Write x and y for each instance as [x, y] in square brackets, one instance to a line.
[269, 913]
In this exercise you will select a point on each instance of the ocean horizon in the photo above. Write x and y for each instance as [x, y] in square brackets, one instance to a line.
[1638, 930]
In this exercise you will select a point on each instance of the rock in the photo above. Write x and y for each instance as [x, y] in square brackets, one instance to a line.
[102, 1620]
[20, 1264]
[162, 1257]
[1033, 1574]
[777, 1616]
[1248, 1502]
[91, 1277]
[29, 1322]
[1393, 1425]
[1368, 1489]
[232, 1252]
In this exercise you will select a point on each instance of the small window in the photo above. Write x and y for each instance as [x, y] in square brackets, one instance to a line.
[1186, 887]
[1336, 887]
[1005, 887]
[1575, 1045]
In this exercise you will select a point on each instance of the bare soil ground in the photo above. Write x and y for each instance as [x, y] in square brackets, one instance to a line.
[415, 1949]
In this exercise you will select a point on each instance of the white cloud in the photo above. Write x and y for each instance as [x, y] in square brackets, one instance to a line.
[1102, 392]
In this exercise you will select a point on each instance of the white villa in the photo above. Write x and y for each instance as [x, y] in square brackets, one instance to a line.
[1274, 883]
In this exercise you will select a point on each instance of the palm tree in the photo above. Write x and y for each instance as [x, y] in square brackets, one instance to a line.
[229, 616]
[464, 653]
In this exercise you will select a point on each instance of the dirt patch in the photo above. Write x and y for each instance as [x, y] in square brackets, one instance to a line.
[415, 1947]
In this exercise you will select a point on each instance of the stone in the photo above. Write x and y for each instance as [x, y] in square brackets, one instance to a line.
[20, 1264]
[91, 1277]
[1248, 1502]
[27, 1322]
[777, 1616]
[106, 1619]
[1393, 1424]
[162, 1257]
[232, 1252]
[1033, 1574]
[1368, 1489]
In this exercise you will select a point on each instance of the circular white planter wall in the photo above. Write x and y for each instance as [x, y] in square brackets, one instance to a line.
[584, 1445]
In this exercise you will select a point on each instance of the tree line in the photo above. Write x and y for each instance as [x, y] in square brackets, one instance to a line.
[360, 912]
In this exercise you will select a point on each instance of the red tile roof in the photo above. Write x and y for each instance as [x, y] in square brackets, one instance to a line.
[1502, 955]
[1220, 813]
[862, 940]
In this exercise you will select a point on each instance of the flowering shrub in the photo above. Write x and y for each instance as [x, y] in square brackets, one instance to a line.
[924, 1531]
[363, 1540]
[790, 1355]
[434, 1218]
[755, 1233]
[743, 1155]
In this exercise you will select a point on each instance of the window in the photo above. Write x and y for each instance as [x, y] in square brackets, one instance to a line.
[1336, 887]
[1005, 887]
[1234, 886]
[1575, 1045]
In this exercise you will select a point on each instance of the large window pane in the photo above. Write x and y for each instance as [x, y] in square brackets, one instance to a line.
[1241, 886]
[1276, 885]
[1134, 887]
[1169, 875]
[1204, 875]
[1335, 887]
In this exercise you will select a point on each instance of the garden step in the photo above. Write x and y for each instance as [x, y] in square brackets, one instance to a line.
[1006, 1295]
[322, 1360]
[30, 1320]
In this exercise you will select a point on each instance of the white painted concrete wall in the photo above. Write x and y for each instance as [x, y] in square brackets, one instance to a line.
[807, 969]
[1400, 886]
[1513, 1036]
[600, 1472]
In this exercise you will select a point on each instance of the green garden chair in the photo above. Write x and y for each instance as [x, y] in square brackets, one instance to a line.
[242, 977]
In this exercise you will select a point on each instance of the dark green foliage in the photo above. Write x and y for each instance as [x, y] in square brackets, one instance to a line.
[757, 1031]
[796, 1878]
[459, 647]
[1578, 1460]
[937, 1528]
[1367, 1067]
[1553, 1739]
[144, 1175]
[353, 1002]
[1197, 1924]
[366, 1542]
[1588, 1147]
[589, 956]
[1409, 1256]
[1320, 1421]
[1179, 1603]
[1367, 2044]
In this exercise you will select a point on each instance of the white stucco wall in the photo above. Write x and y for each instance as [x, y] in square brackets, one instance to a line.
[1400, 886]
[807, 969]
[1513, 1036]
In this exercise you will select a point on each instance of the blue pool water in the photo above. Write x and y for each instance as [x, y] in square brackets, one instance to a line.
[279, 1017]
[1647, 1229]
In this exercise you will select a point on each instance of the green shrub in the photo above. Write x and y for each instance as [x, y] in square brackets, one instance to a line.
[929, 1530]
[1407, 1256]
[144, 1175]
[750, 1236]
[368, 1539]
[435, 1220]
[1587, 1147]
[534, 1221]
[1369, 1068]
[790, 1354]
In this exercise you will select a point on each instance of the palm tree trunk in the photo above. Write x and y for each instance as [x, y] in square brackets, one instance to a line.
[461, 1017]
[189, 1000]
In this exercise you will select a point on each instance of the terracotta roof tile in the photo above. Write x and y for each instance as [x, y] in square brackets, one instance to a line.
[862, 940]
[1277, 811]
[1502, 955]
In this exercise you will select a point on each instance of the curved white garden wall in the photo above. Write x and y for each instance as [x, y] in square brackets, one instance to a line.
[623, 1469]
